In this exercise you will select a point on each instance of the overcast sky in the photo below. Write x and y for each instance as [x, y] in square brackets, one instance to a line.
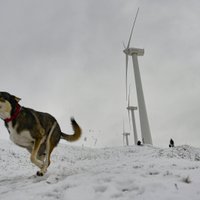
[66, 57]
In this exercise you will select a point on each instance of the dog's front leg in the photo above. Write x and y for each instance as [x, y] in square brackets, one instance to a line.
[35, 150]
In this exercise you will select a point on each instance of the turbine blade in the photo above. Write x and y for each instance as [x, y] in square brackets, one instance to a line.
[126, 74]
[132, 29]
[129, 119]
[124, 45]
[129, 93]
[123, 127]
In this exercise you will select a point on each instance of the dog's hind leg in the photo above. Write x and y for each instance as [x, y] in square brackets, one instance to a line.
[35, 150]
[49, 149]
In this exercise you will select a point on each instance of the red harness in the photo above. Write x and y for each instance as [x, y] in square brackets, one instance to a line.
[15, 114]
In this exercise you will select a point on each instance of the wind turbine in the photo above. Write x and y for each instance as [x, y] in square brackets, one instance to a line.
[125, 136]
[132, 109]
[134, 53]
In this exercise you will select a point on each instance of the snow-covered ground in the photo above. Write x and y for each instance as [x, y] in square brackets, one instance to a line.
[124, 173]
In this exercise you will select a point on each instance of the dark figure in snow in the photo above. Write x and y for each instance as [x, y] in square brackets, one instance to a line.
[139, 143]
[171, 143]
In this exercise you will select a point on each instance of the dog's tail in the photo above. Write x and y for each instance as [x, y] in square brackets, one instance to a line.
[76, 135]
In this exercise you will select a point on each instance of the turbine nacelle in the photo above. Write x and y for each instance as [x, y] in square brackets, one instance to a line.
[131, 108]
[131, 51]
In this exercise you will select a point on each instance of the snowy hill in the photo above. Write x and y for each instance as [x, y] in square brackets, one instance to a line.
[123, 173]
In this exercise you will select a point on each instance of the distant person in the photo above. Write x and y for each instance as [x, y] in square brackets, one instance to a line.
[171, 143]
[139, 143]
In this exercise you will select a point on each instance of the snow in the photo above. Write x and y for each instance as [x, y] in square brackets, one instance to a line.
[121, 173]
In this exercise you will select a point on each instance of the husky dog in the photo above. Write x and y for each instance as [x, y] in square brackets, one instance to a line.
[38, 132]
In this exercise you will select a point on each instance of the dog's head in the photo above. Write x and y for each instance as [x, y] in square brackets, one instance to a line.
[8, 104]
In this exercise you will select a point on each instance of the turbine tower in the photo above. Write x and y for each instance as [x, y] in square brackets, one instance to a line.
[134, 53]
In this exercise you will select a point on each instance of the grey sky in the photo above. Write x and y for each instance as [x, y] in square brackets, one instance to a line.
[65, 58]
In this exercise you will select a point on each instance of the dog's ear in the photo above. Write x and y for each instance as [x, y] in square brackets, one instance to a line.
[17, 98]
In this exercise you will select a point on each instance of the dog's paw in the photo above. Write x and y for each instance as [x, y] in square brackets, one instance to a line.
[39, 173]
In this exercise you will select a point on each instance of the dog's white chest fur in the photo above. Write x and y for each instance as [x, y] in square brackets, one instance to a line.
[23, 138]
